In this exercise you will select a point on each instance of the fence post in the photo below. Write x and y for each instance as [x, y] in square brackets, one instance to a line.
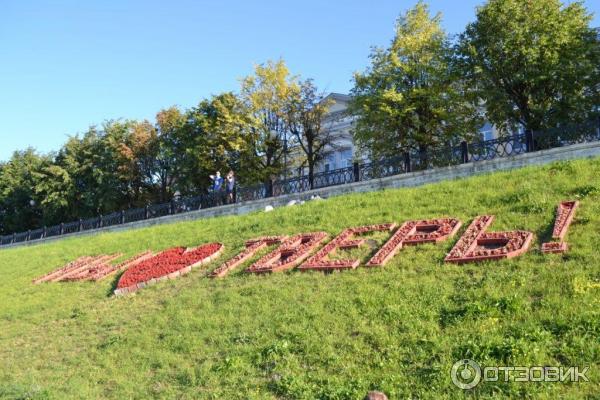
[268, 188]
[146, 212]
[14, 238]
[62, 228]
[100, 221]
[528, 140]
[356, 171]
[407, 167]
[80, 224]
[464, 150]
[122, 217]
[45, 232]
[28, 235]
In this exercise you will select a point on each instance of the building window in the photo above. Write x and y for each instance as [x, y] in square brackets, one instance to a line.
[331, 162]
[346, 157]
[487, 131]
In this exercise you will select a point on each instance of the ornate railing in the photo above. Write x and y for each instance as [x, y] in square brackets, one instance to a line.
[430, 158]
[500, 147]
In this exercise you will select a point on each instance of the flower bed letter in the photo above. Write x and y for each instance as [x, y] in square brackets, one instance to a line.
[320, 262]
[413, 233]
[292, 252]
[76, 268]
[564, 216]
[105, 270]
[252, 247]
[477, 245]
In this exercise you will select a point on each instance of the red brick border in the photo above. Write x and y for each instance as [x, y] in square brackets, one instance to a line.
[292, 252]
[320, 262]
[65, 269]
[78, 269]
[81, 273]
[564, 216]
[555, 247]
[252, 247]
[478, 245]
[413, 233]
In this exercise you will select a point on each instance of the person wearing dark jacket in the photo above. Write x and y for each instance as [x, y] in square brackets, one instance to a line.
[230, 187]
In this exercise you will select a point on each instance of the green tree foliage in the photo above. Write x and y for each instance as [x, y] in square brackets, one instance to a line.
[136, 152]
[19, 204]
[108, 169]
[409, 98]
[90, 160]
[533, 63]
[55, 192]
[170, 151]
[265, 96]
[211, 138]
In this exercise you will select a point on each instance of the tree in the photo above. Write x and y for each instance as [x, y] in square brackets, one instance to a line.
[135, 146]
[532, 62]
[409, 98]
[306, 114]
[221, 124]
[19, 205]
[209, 137]
[96, 165]
[55, 192]
[265, 95]
[594, 86]
[168, 169]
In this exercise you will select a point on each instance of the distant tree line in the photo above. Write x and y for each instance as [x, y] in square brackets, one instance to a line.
[520, 64]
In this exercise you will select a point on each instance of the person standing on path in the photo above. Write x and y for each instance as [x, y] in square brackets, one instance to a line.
[230, 187]
[217, 181]
[217, 186]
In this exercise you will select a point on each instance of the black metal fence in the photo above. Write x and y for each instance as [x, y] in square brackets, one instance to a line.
[462, 153]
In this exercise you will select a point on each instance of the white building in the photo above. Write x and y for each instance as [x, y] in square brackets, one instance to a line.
[342, 153]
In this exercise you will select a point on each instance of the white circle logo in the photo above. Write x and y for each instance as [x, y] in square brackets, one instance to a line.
[466, 374]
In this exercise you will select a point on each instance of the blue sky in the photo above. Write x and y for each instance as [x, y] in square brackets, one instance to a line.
[65, 65]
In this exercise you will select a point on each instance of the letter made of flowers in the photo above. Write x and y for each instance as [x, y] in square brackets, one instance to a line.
[292, 252]
[564, 216]
[413, 233]
[252, 247]
[344, 240]
[86, 269]
[478, 245]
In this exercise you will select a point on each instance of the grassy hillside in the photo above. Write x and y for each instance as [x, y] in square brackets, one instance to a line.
[297, 335]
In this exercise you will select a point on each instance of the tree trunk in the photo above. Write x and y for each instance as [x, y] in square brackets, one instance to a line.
[310, 159]
[423, 156]
[268, 188]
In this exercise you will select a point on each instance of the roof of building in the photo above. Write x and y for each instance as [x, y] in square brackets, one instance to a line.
[338, 96]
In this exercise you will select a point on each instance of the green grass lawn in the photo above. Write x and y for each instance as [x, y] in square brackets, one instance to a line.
[311, 335]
